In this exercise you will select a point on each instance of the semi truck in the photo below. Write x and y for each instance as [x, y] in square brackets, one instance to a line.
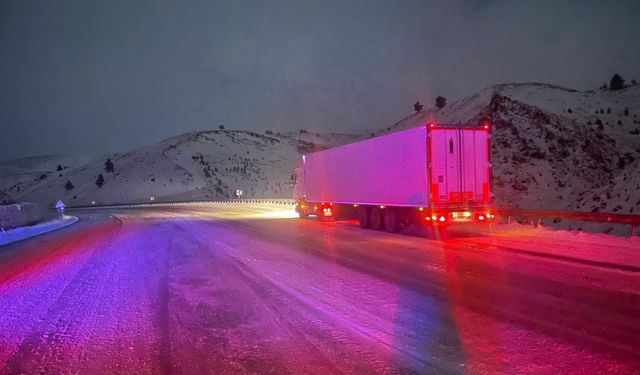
[435, 174]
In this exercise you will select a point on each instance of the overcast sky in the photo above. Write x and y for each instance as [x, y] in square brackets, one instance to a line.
[104, 76]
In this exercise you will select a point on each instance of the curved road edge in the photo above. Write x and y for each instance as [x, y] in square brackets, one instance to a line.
[24, 233]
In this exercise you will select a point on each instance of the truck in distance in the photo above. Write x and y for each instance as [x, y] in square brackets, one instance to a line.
[436, 174]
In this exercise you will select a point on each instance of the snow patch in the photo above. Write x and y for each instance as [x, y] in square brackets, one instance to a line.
[23, 233]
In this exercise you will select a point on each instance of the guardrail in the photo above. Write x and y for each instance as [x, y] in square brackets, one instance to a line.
[536, 216]
[276, 201]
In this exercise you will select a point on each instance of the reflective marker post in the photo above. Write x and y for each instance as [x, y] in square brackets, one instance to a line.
[60, 207]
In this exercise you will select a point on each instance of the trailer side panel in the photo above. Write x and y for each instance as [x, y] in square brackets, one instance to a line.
[388, 170]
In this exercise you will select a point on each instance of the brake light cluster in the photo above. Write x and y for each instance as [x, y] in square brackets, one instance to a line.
[325, 209]
[436, 218]
[488, 215]
[484, 216]
[464, 216]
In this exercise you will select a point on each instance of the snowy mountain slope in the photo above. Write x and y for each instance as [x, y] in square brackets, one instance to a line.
[552, 148]
[199, 165]
[22, 175]
[555, 148]
[48, 162]
[621, 196]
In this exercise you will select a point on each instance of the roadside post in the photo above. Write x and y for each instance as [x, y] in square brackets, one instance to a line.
[60, 207]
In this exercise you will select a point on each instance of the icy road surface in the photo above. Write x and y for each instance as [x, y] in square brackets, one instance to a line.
[240, 289]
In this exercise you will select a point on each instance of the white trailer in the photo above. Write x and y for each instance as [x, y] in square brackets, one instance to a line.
[436, 173]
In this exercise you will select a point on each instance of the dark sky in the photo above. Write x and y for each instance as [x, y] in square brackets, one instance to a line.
[102, 76]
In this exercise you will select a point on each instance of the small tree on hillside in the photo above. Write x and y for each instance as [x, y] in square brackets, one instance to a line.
[441, 101]
[108, 166]
[617, 82]
[221, 127]
[100, 181]
[59, 168]
[634, 82]
[68, 185]
[418, 107]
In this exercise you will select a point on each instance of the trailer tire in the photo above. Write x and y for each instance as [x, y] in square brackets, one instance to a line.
[376, 218]
[391, 220]
[363, 217]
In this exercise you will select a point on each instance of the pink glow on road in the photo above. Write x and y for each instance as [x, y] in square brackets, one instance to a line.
[173, 291]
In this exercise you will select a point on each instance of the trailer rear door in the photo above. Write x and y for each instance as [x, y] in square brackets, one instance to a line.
[474, 154]
[459, 160]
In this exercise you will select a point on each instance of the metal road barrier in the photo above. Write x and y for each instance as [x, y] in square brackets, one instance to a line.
[533, 216]
[274, 201]
[536, 216]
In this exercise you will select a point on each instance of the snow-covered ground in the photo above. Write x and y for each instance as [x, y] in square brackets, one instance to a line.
[22, 233]
[601, 248]
[248, 289]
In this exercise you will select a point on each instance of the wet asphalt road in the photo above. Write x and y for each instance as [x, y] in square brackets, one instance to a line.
[249, 289]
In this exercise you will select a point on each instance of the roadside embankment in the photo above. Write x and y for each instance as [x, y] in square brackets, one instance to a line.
[26, 232]
[21, 214]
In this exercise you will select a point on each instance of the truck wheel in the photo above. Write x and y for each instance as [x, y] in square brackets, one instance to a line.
[363, 217]
[391, 220]
[376, 218]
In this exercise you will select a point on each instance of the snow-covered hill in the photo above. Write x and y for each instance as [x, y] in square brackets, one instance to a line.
[22, 175]
[552, 148]
[555, 148]
[199, 165]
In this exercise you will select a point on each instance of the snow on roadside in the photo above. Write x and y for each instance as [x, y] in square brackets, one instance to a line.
[597, 247]
[23, 233]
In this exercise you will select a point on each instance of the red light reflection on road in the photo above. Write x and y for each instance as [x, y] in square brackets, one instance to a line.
[44, 257]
